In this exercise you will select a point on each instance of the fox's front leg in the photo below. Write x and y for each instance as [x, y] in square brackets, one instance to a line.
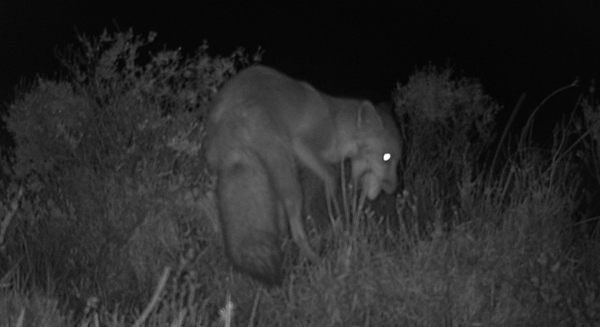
[289, 193]
[307, 156]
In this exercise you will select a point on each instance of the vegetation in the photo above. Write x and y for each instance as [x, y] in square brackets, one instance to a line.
[104, 218]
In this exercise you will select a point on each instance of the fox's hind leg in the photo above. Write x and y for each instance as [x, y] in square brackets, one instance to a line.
[251, 218]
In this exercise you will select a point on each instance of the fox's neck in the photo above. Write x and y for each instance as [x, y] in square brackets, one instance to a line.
[346, 136]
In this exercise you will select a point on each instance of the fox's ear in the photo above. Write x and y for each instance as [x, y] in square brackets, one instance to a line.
[367, 114]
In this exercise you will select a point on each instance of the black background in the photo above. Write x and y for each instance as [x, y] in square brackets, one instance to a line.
[342, 47]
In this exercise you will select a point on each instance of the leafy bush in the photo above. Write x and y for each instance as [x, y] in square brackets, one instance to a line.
[111, 160]
[446, 125]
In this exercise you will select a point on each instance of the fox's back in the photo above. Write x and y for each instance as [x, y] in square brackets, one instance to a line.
[261, 107]
[263, 93]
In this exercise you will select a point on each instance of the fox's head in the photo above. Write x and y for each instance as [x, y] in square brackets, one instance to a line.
[374, 166]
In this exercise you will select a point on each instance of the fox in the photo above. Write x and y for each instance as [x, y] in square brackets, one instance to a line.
[262, 126]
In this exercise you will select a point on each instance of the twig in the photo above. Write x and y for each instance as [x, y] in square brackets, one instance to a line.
[155, 298]
[14, 205]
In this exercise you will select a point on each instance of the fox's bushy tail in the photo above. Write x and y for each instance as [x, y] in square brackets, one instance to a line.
[253, 220]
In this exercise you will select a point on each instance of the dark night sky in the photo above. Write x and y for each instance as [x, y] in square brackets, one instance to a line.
[360, 49]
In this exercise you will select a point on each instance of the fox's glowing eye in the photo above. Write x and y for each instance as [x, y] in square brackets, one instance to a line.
[387, 157]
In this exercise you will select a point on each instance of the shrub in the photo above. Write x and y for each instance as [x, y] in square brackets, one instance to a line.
[446, 124]
[110, 159]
